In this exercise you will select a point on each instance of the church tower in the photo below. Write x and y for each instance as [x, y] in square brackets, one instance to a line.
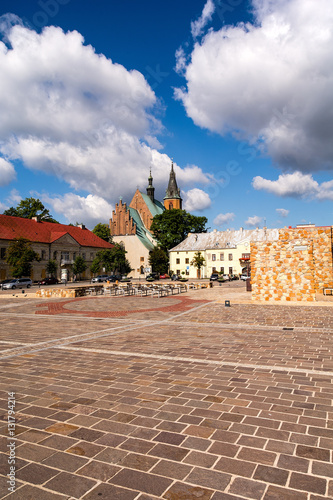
[172, 197]
[150, 188]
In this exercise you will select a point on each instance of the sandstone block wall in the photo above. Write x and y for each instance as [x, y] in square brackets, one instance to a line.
[295, 267]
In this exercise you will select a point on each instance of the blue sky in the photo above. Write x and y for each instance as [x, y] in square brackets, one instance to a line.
[237, 92]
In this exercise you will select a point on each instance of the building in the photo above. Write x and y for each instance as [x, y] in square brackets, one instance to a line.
[130, 225]
[51, 241]
[225, 252]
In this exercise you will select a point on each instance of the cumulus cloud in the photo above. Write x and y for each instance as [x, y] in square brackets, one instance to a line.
[78, 115]
[198, 26]
[296, 185]
[90, 210]
[7, 172]
[269, 82]
[196, 200]
[282, 212]
[222, 219]
[253, 221]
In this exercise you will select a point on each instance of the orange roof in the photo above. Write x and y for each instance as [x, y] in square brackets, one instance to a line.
[12, 228]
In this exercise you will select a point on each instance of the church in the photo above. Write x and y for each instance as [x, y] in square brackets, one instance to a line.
[130, 225]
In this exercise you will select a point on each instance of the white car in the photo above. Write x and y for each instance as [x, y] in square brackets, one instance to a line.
[100, 278]
[244, 277]
[17, 283]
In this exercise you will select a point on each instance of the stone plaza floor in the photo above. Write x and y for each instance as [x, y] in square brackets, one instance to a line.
[176, 398]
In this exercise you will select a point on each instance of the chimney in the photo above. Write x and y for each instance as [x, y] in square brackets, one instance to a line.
[82, 226]
[37, 218]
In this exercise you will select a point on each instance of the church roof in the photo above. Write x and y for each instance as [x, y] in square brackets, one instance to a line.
[141, 231]
[155, 207]
[172, 191]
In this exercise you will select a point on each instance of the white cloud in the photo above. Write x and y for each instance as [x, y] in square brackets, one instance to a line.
[253, 221]
[79, 116]
[198, 26]
[296, 185]
[180, 60]
[222, 219]
[196, 200]
[269, 82]
[89, 211]
[282, 212]
[7, 172]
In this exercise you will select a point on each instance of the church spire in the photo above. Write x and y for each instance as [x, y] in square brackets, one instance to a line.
[172, 197]
[150, 188]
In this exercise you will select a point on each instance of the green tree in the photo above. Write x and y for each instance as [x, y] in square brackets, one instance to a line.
[95, 266]
[79, 265]
[158, 260]
[172, 226]
[198, 261]
[113, 260]
[29, 208]
[20, 256]
[51, 267]
[103, 232]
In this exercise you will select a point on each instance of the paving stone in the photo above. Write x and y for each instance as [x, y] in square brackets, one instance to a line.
[181, 491]
[108, 491]
[28, 492]
[308, 483]
[141, 481]
[248, 488]
[209, 479]
[170, 469]
[70, 484]
[65, 461]
[37, 473]
[271, 475]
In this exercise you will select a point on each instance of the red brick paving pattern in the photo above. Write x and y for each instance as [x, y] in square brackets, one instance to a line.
[182, 411]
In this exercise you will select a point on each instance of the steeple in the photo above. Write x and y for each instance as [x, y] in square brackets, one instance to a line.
[150, 188]
[172, 197]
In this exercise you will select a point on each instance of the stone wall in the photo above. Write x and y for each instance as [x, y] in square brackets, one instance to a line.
[295, 267]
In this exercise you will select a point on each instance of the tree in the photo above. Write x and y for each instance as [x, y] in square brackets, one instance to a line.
[51, 267]
[172, 226]
[159, 260]
[198, 261]
[113, 260]
[29, 208]
[20, 256]
[79, 265]
[103, 232]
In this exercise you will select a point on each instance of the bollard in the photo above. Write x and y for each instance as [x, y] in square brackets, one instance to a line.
[227, 303]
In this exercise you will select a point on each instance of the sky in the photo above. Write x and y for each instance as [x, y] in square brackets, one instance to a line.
[237, 93]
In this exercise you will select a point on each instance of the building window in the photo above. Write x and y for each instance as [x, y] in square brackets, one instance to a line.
[3, 253]
[43, 255]
[91, 255]
[142, 259]
[222, 270]
[221, 256]
[230, 256]
[55, 255]
[84, 256]
[74, 255]
[65, 256]
[177, 261]
[213, 269]
[230, 270]
[213, 256]
[187, 261]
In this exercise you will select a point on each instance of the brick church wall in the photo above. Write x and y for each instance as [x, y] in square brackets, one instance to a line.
[295, 267]
[121, 222]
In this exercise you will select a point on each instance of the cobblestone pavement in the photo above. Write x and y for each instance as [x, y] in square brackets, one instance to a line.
[180, 398]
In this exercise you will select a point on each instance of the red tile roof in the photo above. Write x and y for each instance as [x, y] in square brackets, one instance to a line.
[12, 228]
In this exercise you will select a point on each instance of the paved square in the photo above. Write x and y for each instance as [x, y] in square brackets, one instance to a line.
[177, 398]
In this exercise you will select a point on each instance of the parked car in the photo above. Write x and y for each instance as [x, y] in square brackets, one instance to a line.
[17, 283]
[4, 282]
[114, 278]
[164, 276]
[175, 277]
[49, 281]
[244, 277]
[233, 277]
[100, 278]
[214, 277]
[152, 277]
